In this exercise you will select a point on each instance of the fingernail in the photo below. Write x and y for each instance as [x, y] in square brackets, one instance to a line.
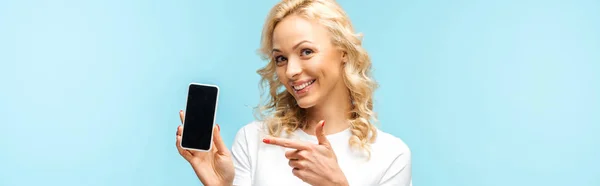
[266, 140]
[323, 124]
[218, 127]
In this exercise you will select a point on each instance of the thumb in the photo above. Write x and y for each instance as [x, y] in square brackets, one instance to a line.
[181, 116]
[321, 135]
[220, 145]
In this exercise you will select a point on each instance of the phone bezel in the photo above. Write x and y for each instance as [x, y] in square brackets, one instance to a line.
[212, 133]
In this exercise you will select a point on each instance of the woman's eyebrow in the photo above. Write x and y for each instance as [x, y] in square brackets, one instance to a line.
[293, 48]
[298, 44]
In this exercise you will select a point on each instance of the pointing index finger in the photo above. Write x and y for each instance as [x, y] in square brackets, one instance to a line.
[287, 143]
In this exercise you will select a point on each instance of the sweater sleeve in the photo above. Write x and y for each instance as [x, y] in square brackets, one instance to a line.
[241, 159]
[399, 171]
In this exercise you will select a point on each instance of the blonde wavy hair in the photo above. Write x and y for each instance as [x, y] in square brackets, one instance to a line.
[280, 110]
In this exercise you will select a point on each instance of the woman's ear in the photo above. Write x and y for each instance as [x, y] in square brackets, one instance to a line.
[344, 57]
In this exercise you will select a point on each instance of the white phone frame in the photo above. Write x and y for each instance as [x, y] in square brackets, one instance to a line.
[214, 119]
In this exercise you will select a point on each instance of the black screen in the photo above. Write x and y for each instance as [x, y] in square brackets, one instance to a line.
[199, 117]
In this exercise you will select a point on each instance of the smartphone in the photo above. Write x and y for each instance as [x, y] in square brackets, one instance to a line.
[200, 116]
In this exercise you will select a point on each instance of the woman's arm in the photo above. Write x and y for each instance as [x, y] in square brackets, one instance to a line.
[399, 171]
[241, 158]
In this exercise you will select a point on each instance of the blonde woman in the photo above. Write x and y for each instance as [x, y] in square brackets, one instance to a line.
[317, 126]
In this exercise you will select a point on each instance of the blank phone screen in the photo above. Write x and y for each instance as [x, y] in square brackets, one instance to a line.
[199, 117]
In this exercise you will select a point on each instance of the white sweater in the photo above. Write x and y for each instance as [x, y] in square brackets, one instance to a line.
[262, 164]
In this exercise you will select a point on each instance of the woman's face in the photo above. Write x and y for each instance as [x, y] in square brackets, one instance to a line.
[308, 64]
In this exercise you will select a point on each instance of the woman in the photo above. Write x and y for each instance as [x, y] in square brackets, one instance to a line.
[319, 130]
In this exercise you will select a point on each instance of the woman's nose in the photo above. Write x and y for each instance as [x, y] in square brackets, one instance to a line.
[294, 68]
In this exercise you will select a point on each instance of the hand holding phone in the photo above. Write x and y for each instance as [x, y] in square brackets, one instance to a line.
[199, 142]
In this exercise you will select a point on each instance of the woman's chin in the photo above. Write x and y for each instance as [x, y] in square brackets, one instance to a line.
[305, 102]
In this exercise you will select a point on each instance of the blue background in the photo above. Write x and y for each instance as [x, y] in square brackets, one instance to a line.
[483, 92]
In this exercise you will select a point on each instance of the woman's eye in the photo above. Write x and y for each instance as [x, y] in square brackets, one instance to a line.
[279, 59]
[306, 52]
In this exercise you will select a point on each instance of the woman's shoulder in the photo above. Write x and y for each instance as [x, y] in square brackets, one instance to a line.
[252, 125]
[390, 144]
[253, 129]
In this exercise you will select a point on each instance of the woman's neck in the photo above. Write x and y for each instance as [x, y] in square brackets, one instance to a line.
[334, 109]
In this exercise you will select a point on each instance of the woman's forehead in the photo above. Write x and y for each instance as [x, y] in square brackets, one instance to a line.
[294, 29]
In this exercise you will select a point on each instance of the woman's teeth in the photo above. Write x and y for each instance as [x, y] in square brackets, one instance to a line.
[300, 87]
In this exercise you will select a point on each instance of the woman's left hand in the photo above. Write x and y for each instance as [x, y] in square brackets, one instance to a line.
[315, 164]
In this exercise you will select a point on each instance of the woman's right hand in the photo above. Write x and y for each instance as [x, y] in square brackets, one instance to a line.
[214, 168]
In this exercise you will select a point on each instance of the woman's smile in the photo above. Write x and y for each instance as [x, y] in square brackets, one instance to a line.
[302, 87]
